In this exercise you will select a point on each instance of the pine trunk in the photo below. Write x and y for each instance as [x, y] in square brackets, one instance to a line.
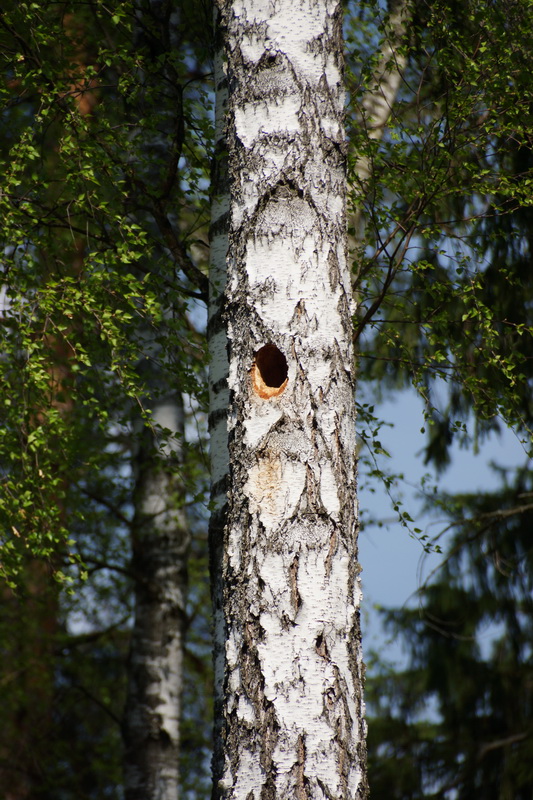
[288, 666]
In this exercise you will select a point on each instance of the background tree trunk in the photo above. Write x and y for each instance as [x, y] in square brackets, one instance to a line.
[288, 668]
[374, 112]
[160, 541]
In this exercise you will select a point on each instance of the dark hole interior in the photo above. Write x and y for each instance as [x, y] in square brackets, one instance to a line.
[272, 365]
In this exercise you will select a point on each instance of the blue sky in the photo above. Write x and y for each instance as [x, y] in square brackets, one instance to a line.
[393, 563]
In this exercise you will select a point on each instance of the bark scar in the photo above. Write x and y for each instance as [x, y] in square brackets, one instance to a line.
[296, 599]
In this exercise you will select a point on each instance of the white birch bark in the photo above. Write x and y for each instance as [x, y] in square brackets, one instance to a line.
[160, 531]
[160, 539]
[289, 709]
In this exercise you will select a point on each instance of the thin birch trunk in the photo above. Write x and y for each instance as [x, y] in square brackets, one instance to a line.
[288, 665]
[379, 99]
[160, 533]
[160, 540]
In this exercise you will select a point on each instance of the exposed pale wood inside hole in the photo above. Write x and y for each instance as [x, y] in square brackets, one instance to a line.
[269, 372]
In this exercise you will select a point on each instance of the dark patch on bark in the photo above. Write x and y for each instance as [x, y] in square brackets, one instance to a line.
[325, 789]
[333, 267]
[215, 417]
[218, 517]
[321, 646]
[296, 600]
[219, 385]
[216, 320]
[302, 783]
[220, 225]
[331, 552]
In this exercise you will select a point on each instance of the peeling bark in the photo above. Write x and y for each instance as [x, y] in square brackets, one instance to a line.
[288, 665]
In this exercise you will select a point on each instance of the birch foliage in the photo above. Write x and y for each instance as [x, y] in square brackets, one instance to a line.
[445, 189]
[107, 116]
[93, 260]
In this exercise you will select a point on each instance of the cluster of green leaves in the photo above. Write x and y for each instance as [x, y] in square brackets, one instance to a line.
[444, 276]
[107, 127]
[447, 210]
[105, 119]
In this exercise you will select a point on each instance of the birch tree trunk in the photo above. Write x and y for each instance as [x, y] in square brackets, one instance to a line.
[160, 532]
[380, 97]
[160, 540]
[288, 666]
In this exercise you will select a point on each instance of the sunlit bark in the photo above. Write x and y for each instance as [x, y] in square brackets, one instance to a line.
[289, 710]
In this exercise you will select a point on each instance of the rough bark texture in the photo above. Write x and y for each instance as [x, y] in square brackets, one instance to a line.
[160, 546]
[289, 710]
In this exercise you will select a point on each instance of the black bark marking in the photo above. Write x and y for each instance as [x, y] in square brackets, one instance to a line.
[302, 783]
[296, 600]
[216, 416]
[331, 552]
[321, 646]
